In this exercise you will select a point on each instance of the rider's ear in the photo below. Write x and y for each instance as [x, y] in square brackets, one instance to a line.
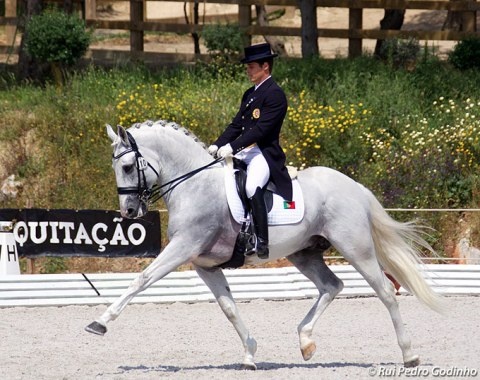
[111, 133]
[122, 133]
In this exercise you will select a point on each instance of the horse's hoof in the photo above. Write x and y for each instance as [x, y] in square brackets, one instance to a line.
[96, 328]
[413, 362]
[249, 367]
[308, 351]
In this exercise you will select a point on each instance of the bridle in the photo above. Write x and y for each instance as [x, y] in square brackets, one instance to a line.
[142, 189]
[149, 195]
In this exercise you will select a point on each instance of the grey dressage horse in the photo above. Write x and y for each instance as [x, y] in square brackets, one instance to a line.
[201, 231]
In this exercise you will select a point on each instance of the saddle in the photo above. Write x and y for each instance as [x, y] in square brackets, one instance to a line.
[239, 205]
[240, 168]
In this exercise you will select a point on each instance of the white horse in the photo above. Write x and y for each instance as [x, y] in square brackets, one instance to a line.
[201, 231]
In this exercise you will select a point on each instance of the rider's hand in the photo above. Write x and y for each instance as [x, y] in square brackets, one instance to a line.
[212, 149]
[225, 151]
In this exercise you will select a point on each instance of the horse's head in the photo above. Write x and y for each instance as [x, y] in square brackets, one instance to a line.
[135, 176]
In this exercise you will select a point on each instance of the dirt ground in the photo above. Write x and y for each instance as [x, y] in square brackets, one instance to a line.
[355, 340]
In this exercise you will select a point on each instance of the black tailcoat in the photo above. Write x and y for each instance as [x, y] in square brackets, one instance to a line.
[259, 121]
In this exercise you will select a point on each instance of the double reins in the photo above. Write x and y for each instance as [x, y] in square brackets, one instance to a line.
[154, 193]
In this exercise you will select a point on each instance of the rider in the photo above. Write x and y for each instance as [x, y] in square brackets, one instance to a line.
[253, 137]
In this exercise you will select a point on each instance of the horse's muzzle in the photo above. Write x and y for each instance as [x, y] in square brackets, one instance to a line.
[134, 209]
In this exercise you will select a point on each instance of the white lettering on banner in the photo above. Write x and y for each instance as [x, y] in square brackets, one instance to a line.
[54, 238]
[82, 235]
[19, 237]
[118, 236]
[38, 233]
[101, 242]
[142, 234]
[67, 226]
[43, 232]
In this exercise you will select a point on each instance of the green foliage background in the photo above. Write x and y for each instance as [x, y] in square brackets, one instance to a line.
[410, 136]
[54, 36]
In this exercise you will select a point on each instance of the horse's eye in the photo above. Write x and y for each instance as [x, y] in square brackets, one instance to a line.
[128, 169]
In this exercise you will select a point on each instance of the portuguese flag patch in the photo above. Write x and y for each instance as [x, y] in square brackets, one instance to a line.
[288, 205]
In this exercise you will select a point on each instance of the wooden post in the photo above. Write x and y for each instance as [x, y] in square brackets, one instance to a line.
[10, 30]
[30, 266]
[136, 18]
[90, 9]
[244, 19]
[355, 21]
[469, 21]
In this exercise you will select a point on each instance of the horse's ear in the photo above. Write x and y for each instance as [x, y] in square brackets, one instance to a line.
[111, 133]
[122, 133]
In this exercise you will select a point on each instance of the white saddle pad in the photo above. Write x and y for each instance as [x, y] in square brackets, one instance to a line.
[282, 212]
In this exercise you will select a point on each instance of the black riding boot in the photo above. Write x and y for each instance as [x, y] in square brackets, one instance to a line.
[260, 223]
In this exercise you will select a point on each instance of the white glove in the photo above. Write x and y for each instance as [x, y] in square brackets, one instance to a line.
[225, 151]
[212, 149]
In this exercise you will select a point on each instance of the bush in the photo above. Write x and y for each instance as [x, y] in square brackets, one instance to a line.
[223, 39]
[466, 54]
[399, 52]
[56, 37]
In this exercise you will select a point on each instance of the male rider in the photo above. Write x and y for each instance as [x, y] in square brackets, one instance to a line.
[253, 136]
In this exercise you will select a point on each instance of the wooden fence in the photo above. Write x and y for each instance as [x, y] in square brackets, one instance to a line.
[138, 23]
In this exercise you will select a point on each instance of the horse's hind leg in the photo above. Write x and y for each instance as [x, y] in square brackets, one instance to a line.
[373, 274]
[312, 265]
[216, 281]
[362, 257]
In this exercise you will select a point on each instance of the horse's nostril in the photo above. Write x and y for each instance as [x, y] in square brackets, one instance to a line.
[130, 211]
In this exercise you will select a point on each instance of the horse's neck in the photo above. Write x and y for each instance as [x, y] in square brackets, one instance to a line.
[175, 152]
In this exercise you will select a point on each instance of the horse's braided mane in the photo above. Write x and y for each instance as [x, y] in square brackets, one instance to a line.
[172, 125]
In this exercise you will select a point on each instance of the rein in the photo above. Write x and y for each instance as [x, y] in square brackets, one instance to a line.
[153, 194]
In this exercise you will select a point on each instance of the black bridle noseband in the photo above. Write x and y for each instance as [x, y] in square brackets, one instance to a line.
[150, 195]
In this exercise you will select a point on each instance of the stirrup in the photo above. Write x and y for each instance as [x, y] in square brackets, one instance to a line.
[251, 245]
[252, 248]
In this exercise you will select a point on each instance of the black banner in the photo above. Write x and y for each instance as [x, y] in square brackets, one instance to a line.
[94, 233]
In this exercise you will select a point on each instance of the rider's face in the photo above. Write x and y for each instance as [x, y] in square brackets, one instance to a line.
[256, 72]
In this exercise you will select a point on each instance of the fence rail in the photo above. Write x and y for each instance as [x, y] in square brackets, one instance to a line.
[246, 284]
[138, 23]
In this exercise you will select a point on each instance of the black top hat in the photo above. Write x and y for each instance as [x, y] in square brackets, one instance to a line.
[258, 53]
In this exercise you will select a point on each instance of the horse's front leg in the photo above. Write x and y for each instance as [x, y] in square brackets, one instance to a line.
[174, 255]
[216, 281]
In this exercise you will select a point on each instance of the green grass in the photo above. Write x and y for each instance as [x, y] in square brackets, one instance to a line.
[359, 116]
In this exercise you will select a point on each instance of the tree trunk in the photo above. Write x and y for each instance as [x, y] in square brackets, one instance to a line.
[392, 20]
[195, 36]
[262, 19]
[308, 11]
[27, 67]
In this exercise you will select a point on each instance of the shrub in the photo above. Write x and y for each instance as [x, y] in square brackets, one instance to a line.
[466, 54]
[56, 37]
[400, 52]
[223, 39]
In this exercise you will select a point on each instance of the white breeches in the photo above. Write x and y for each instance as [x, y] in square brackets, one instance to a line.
[258, 171]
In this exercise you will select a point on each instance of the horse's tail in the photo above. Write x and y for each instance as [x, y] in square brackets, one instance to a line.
[398, 248]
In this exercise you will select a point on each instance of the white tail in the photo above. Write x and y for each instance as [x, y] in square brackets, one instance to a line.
[397, 247]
